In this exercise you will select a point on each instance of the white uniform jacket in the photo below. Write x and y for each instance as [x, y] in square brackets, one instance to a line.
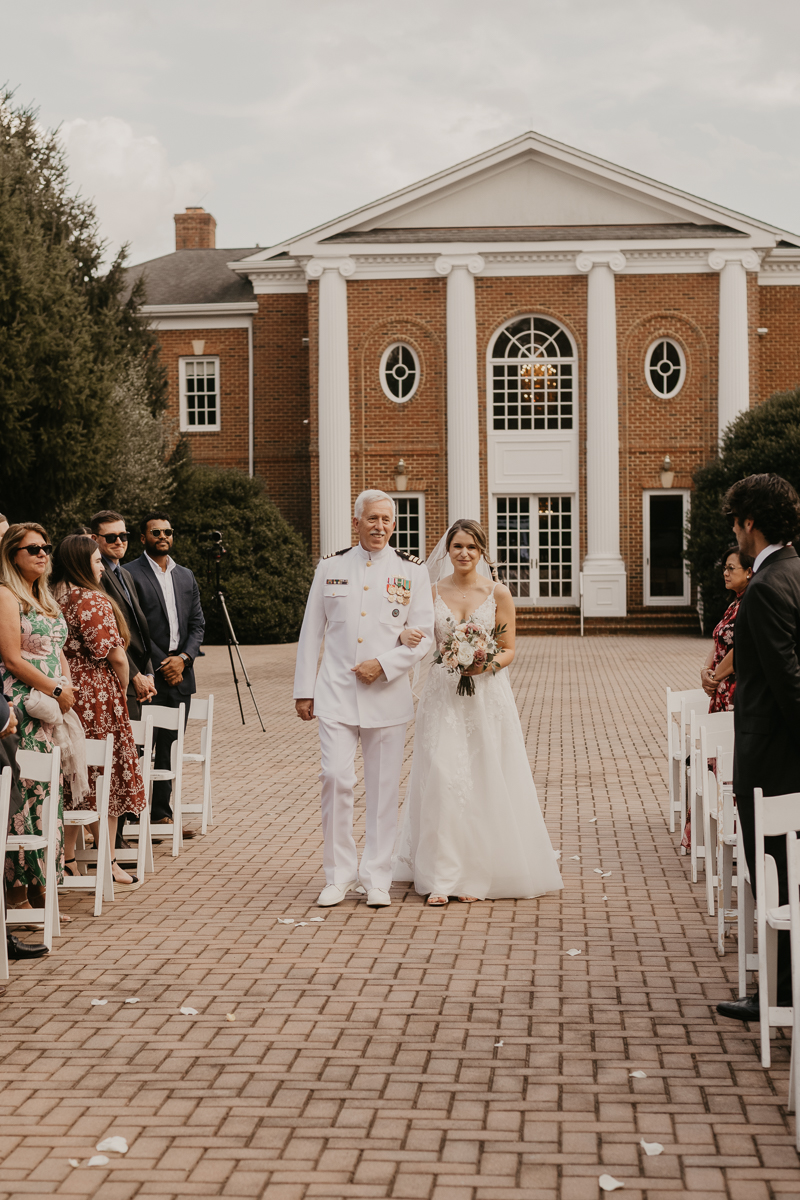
[357, 603]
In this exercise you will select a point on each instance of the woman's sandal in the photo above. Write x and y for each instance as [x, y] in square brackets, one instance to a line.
[123, 882]
[435, 901]
[68, 865]
[468, 899]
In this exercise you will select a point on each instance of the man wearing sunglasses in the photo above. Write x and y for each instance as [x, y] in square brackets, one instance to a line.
[170, 600]
[108, 530]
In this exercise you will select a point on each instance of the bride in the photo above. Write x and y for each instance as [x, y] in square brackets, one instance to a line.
[471, 825]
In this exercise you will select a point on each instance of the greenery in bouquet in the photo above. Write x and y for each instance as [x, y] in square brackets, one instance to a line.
[468, 647]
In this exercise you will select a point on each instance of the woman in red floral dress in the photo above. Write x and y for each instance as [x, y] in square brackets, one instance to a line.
[95, 650]
[717, 678]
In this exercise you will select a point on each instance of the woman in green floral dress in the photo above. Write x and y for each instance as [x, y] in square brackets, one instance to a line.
[32, 636]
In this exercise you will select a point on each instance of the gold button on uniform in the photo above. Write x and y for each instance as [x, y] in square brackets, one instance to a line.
[363, 614]
[366, 587]
[361, 639]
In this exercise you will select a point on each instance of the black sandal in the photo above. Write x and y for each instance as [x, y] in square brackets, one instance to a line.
[122, 882]
[68, 863]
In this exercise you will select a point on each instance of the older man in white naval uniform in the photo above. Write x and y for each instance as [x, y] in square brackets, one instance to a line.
[361, 600]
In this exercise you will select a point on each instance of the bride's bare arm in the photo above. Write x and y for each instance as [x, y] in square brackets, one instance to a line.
[506, 615]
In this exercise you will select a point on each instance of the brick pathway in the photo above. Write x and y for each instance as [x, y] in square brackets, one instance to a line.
[441, 1055]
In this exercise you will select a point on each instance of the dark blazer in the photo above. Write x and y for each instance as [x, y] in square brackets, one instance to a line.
[766, 655]
[191, 622]
[139, 652]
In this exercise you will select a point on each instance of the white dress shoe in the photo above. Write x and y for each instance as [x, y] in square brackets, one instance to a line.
[378, 898]
[333, 894]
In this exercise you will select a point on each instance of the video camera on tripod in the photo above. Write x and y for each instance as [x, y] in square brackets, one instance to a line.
[212, 546]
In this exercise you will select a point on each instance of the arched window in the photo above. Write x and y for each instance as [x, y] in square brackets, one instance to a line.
[533, 376]
[665, 367]
[399, 372]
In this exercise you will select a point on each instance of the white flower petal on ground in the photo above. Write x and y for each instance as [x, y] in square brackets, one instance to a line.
[98, 1160]
[638, 1075]
[118, 1145]
[230, 1017]
[73, 1162]
[572, 953]
[598, 870]
[498, 1044]
[99, 1002]
[651, 1147]
[132, 1000]
[299, 923]
[558, 854]
[605, 897]
[575, 857]
[609, 1184]
[592, 820]
[285, 920]
[189, 1012]
[604, 874]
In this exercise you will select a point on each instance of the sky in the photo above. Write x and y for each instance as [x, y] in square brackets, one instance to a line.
[277, 117]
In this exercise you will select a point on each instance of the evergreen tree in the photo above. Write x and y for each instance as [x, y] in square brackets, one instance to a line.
[764, 439]
[66, 336]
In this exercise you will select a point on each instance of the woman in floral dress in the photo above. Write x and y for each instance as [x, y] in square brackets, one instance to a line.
[32, 636]
[95, 650]
[717, 677]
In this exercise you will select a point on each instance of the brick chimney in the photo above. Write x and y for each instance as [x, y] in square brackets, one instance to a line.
[195, 229]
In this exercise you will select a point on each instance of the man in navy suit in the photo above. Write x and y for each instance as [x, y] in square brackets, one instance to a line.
[170, 600]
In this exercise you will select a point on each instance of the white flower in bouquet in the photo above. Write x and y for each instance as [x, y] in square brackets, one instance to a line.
[466, 655]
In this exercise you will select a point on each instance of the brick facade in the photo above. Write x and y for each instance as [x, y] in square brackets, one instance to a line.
[779, 348]
[228, 446]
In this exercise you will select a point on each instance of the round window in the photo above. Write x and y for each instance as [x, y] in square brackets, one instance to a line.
[399, 372]
[665, 367]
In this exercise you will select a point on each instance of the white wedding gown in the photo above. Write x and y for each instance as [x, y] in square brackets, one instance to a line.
[471, 823]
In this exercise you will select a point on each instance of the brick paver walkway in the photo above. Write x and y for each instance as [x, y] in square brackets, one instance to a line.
[442, 1055]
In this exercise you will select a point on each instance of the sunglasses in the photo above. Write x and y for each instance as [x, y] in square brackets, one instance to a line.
[157, 533]
[113, 538]
[34, 550]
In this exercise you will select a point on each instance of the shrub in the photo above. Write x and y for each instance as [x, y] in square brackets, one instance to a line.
[766, 438]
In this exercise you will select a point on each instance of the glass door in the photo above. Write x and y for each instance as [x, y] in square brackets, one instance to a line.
[666, 578]
[534, 548]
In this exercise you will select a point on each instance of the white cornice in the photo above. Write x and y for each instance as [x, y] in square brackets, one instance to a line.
[240, 308]
[283, 276]
[780, 269]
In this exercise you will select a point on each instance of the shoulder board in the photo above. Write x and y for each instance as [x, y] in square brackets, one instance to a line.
[409, 557]
[336, 553]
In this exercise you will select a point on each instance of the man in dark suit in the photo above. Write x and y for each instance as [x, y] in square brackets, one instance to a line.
[765, 513]
[170, 600]
[108, 530]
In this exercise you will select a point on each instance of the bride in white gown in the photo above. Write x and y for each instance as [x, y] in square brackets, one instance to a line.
[471, 825]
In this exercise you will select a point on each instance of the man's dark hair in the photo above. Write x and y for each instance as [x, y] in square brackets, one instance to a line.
[104, 517]
[770, 502]
[154, 516]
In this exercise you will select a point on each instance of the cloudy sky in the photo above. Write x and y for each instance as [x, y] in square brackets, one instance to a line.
[276, 116]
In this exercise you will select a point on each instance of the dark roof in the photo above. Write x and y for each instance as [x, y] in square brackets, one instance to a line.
[193, 277]
[539, 233]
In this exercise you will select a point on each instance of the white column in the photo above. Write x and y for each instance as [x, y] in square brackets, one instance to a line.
[604, 579]
[734, 351]
[463, 443]
[334, 402]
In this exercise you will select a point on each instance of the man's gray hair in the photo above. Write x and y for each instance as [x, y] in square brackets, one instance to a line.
[370, 496]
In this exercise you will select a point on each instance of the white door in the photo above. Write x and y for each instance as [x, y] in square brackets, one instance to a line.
[666, 574]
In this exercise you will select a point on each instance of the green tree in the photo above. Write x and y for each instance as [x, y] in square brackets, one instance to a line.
[266, 571]
[66, 336]
[766, 438]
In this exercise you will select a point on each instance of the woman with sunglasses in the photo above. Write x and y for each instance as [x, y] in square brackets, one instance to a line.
[32, 636]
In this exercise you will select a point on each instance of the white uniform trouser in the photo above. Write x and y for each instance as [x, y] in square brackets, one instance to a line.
[383, 758]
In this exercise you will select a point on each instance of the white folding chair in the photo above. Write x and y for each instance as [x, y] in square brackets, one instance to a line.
[694, 701]
[41, 768]
[202, 710]
[99, 753]
[158, 716]
[775, 817]
[140, 832]
[676, 755]
[745, 917]
[716, 730]
[726, 848]
[5, 807]
[793, 864]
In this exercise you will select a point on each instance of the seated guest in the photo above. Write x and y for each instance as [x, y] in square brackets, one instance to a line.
[32, 636]
[95, 649]
[717, 678]
[170, 601]
[108, 530]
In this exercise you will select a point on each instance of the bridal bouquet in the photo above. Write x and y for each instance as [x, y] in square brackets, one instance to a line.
[467, 645]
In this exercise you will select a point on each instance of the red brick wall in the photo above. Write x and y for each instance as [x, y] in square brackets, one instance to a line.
[779, 350]
[282, 428]
[228, 447]
[195, 229]
[686, 309]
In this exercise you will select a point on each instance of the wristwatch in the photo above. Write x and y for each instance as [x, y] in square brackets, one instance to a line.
[57, 690]
[186, 658]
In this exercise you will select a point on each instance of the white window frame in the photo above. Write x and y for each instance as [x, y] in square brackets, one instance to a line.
[649, 355]
[415, 496]
[664, 601]
[382, 370]
[535, 600]
[184, 409]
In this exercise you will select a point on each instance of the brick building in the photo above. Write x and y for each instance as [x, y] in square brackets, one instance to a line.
[536, 338]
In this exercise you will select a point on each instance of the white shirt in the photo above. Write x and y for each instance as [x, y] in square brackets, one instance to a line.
[765, 553]
[168, 588]
[351, 606]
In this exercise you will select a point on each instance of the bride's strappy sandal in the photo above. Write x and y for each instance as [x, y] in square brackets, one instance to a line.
[435, 901]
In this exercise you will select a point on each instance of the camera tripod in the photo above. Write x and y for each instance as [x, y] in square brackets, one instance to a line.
[216, 551]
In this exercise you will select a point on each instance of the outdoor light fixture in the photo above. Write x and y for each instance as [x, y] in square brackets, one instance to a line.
[667, 472]
[400, 477]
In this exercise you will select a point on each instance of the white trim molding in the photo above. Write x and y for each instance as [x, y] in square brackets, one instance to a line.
[201, 311]
[185, 426]
[781, 268]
